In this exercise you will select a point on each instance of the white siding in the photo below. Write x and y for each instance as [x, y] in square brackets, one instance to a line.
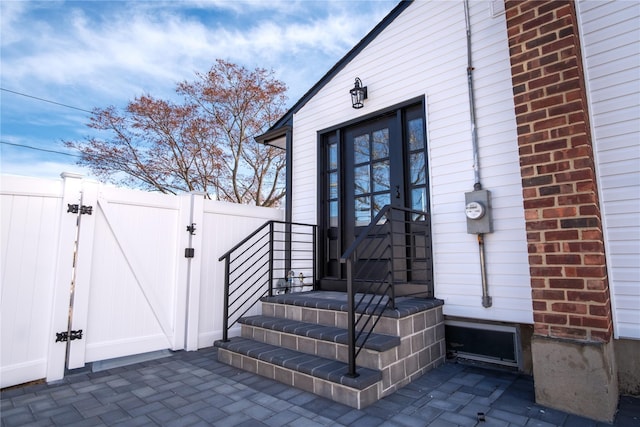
[611, 49]
[423, 53]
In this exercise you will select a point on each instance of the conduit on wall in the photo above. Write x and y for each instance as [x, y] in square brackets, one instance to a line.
[477, 186]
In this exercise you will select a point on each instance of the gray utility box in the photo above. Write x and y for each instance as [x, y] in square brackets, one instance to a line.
[478, 212]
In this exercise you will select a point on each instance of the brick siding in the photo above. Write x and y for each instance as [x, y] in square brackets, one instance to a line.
[562, 212]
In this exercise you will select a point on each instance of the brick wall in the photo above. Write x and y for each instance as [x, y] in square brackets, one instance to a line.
[564, 229]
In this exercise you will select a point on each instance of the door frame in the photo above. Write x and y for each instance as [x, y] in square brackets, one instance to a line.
[339, 129]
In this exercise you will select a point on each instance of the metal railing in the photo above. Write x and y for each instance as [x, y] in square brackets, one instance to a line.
[263, 262]
[395, 248]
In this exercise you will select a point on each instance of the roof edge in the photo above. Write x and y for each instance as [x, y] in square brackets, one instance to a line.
[391, 16]
[272, 134]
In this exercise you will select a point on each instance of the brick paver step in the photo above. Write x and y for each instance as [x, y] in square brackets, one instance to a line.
[318, 367]
[376, 342]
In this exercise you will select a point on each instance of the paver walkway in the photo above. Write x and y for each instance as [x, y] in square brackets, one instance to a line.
[193, 388]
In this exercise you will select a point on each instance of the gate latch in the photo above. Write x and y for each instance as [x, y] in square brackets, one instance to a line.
[88, 210]
[66, 336]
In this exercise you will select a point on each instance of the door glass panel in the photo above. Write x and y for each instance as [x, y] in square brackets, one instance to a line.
[333, 156]
[419, 199]
[418, 169]
[362, 211]
[361, 148]
[381, 176]
[362, 180]
[380, 144]
[416, 134]
[333, 185]
[379, 202]
[333, 214]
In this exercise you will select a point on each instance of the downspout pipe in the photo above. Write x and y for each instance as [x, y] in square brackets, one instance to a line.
[486, 299]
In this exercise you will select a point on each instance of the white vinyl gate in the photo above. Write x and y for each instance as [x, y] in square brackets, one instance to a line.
[108, 265]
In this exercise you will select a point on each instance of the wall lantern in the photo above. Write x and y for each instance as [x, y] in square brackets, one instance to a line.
[358, 94]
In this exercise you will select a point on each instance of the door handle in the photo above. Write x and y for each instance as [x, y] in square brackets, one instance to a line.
[397, 191]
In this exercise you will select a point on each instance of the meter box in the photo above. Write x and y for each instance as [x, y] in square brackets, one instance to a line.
[478, 212]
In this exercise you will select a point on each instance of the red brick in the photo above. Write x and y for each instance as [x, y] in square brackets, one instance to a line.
[593, 272]
[531, 117]
[592, 235]
[559, 212]
[586, 296]
[546, 271]
[563, 259]
[553, 145]
[591, 210]
[574, 176]
[582, 247]
[594, 259]
[598, 284]
[539, 305]
[596, 322]
[550, 123]
[599, 310]
[537, 22]
[562, 307]
[562, 87]
[533, 237]
[536, 260]
[542, 202]
[548, 294]
[548, 102]
[533, 138]
[566, 108]
[559, 45]
[576, 199]
[531, 215]
[561, 235]
[560, 283]
[585, 186]
[554, 319]
[543, 248]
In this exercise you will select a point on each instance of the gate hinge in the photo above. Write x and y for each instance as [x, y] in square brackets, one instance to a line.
[88, 210]
[189, 252]
[66, 336]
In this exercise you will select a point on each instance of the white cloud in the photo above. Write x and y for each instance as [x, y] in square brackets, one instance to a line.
[94, 54]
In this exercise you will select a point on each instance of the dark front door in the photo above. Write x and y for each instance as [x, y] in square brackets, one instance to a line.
[378, 162]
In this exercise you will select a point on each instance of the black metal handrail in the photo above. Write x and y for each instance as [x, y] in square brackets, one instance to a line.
[393, 248]
[264, 260]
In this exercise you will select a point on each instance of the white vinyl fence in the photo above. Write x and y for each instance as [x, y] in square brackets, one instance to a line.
[110, 265]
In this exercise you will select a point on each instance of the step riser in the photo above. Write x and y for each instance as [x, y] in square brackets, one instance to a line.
[386, 325]
[358, 399]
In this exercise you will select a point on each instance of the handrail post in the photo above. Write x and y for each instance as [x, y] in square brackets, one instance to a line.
[351, 326]
[225, 305]
[271, 238]
[392, 297]
[314, 262]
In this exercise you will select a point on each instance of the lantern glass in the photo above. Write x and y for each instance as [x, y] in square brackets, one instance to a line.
[358, 94]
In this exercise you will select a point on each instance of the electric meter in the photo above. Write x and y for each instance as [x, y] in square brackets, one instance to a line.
[474, 210]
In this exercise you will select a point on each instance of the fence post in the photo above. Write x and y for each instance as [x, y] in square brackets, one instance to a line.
[62, 281]
[82, 274]
[194, 218]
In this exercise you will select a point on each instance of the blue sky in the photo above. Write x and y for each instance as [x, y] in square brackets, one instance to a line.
[87, 54]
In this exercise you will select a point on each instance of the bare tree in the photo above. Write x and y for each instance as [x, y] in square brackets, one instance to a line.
[203, 144]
